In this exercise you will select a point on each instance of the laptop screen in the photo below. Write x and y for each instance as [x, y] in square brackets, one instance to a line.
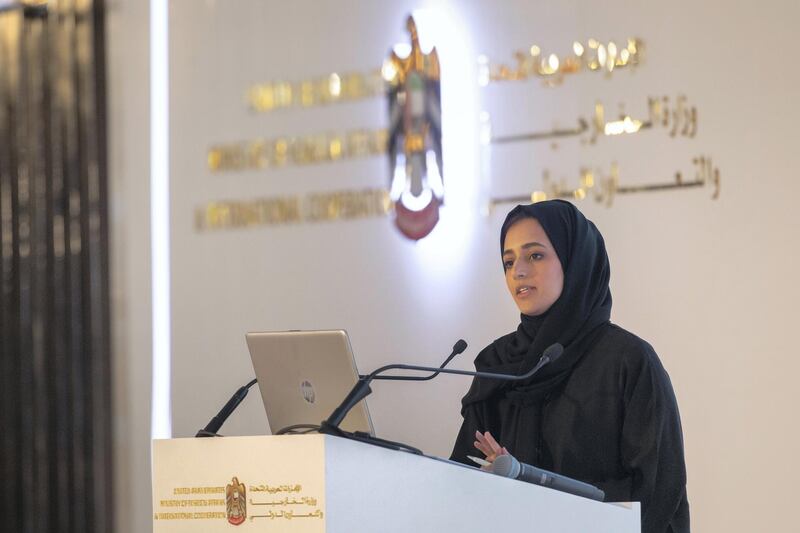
[304, 375]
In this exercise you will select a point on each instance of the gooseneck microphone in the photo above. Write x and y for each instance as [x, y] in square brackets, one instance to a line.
[509, 466]
[362, 389]
[213, 426]
[458, 348]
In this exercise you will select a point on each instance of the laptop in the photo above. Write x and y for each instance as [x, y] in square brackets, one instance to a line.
[304, 375]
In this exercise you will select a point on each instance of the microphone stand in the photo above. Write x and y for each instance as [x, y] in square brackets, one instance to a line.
[215, 423]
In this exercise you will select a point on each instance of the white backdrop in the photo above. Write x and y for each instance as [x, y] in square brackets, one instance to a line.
[708, 283]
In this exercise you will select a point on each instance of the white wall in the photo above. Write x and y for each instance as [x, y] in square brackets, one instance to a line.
[128, 77]
[708, 283]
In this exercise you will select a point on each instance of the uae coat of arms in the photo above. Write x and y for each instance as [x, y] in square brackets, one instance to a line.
[235, 502]
[415, 137]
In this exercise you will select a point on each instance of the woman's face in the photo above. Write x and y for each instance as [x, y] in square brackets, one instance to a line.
[533, 272]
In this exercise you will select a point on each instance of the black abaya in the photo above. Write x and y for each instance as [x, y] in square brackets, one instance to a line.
[605, 411]
[613, 423]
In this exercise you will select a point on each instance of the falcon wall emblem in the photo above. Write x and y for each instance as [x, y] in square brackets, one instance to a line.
[415, 137]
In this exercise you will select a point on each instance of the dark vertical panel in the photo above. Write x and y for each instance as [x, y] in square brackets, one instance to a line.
[23, 253]
[11, 26]
[75, 295]
[95, 262]
[58, 421]
[101, 268]
[59, 332]
[36, 52]
[55, 449]
[5, 464]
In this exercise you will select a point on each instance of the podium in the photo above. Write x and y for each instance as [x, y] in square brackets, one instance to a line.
[321, 483]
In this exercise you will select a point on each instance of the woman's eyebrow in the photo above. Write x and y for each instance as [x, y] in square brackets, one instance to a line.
[532, 244]
[525, 247]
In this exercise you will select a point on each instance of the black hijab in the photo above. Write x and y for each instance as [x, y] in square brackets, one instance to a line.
[573, 320]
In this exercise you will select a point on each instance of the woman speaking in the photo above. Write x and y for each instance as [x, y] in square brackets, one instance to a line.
[604, 412]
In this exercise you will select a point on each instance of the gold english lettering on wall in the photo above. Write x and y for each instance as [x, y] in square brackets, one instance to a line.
[304, 150]
[314, 207]
[322, 90]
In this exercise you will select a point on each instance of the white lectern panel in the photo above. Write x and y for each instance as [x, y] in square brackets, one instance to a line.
[319, 483]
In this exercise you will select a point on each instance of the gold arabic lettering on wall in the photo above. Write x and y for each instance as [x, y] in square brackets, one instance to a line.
[592, 184]
[593, 56]
[678, 119]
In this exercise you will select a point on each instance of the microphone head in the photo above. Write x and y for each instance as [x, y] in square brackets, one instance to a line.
[459, 346]
[506, 466]
[553, 352]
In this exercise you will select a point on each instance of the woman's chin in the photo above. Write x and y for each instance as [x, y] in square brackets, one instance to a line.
[532, 308]
[530, 311]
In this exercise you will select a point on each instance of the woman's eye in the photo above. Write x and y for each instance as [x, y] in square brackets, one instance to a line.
[508, 264]
[536, 256]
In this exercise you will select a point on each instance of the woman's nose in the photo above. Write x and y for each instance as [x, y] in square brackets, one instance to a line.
[520, 271]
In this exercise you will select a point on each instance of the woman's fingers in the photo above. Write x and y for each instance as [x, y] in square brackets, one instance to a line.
[487, 445]
[483, 448]
[493, 443]
[483, 444]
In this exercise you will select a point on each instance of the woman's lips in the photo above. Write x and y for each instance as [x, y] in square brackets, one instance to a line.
[524, 291]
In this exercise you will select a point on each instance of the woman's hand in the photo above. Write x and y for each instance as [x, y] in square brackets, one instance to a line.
[489, 447]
